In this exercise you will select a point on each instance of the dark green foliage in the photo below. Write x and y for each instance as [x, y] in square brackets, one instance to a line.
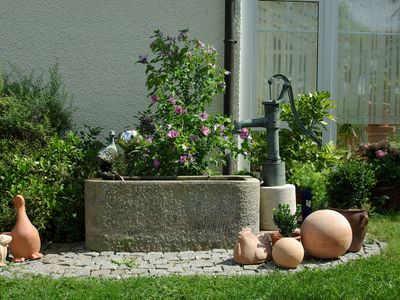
[51, 179]
[31, 109]
[41, 160]
[285, 220]
[349, 186]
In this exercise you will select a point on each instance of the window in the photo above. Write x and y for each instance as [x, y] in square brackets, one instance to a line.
[287, 39]
[369, 62]
[349, 47]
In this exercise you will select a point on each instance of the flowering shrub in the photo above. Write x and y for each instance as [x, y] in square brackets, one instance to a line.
[176, 135]
[385, 160]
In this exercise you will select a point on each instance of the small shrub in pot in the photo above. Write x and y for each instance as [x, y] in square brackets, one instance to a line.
[350, 185]
[285, 220]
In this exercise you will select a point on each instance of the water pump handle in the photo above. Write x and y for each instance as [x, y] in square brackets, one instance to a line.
[287, 88]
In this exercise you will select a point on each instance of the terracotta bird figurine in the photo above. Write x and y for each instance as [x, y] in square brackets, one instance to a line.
[25, 242]
[249, 249]
[5, 240]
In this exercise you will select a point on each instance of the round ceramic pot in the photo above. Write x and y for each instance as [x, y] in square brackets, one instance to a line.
[326, 234]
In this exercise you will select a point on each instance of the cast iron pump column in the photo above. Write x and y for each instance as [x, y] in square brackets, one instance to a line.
[273, 170]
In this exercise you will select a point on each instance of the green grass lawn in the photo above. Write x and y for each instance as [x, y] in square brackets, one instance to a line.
[376, 277]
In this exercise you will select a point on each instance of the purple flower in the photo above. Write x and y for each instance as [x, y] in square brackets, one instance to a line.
[143, 59]
[380, 153]
[173, 134]
[244, 133]
[183, 158]
[179, 110]
[156, 163]
[219, 128]
[205, 130]
[172, 100]
[149, 139]
[203, 116]
[154, 98]
[194, 137]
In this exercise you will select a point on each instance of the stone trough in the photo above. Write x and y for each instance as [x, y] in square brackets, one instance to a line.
[169, 214]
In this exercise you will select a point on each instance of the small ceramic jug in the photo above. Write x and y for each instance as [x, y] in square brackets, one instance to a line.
[25, 242]
[5, 240]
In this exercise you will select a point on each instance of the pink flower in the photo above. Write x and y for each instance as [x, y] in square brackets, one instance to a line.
[179, 110]
[173, 134]
[219, 128]
[380, 153]
[244, 133]
[172, 100]
[156, 163]
[205, 130]
[183, 158]
[154, 98]
[203, 116]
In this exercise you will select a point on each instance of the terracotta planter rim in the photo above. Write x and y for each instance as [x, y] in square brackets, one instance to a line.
[348, 209]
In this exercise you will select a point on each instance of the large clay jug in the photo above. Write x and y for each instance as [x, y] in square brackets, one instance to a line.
[358, 219]
[25, 242]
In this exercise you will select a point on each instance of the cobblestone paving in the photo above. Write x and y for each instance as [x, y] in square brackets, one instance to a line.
[73, 260]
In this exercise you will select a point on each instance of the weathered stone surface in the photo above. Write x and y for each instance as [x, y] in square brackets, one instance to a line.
[169, 215]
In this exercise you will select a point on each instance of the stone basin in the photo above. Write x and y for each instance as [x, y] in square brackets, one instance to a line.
[170, 213]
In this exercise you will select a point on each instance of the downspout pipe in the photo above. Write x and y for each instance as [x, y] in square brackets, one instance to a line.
[229, 42]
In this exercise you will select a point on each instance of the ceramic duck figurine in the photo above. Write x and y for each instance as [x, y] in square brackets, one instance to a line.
[107, 155]
[25, 242]
[5, 240]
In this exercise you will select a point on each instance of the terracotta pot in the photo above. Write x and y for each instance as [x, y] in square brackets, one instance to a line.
[378, 132]
[25, 242]
[276, 235]
[358, 219]
[288, 252]
[326, 234]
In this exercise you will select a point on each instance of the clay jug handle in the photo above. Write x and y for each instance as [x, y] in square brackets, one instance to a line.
[364, 219]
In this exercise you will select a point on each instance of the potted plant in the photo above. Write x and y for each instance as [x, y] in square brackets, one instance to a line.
[311, 186]
[170, 202]
[385, 160]
[286, 221]
[349, 190]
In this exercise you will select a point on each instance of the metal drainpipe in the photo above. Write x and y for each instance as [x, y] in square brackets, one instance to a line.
[229, 42]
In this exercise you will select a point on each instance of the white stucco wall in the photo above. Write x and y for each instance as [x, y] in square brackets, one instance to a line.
[96, 43]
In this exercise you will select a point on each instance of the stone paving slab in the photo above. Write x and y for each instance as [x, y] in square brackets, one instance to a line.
[72, 260]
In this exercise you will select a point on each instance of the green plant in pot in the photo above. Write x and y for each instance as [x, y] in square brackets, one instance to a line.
[286, 221]
[349, 189]
[311, 185]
